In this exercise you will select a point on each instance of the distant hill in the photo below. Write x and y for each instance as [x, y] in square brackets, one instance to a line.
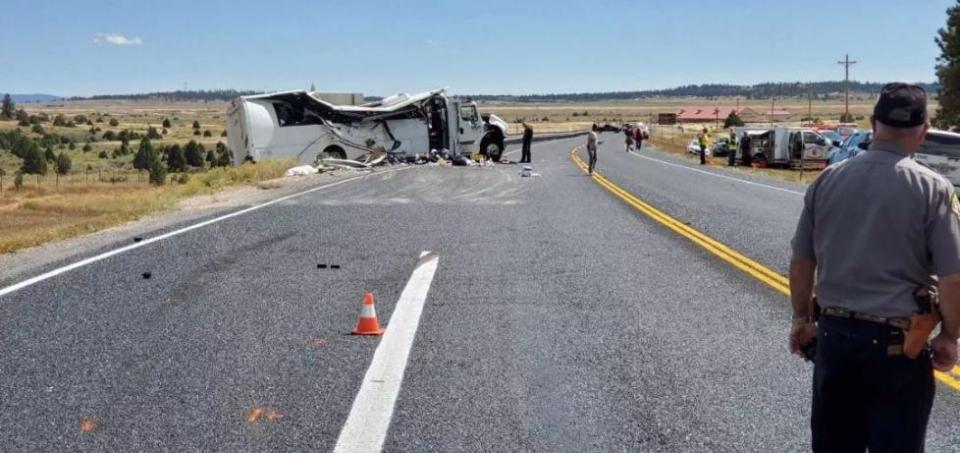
[758, 91]
[179, 95]
[27, 98]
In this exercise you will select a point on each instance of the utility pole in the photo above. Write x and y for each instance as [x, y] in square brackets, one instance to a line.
[846, 84]
[772, 100]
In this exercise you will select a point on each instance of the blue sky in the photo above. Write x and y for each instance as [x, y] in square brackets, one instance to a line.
[491, 46]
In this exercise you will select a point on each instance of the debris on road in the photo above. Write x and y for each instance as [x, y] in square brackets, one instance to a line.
[527, 172]
[301, 170]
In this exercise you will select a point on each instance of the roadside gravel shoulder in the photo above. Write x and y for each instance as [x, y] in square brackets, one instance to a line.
[26, 262]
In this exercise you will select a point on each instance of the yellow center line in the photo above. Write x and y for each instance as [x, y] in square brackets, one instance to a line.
[750, 267]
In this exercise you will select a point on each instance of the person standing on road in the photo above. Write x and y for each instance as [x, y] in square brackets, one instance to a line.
[592, 142]
[638, 137]
[746, 156]
[527, 139]
[702, 139]
[871, 389]
[628, 138]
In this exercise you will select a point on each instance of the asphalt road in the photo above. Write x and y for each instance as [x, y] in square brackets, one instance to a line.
[558, 319]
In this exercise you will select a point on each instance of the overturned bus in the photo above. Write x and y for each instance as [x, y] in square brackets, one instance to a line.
[298, 124]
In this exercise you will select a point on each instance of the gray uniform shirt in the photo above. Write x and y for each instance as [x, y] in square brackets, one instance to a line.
[592, 141]
[879, 226]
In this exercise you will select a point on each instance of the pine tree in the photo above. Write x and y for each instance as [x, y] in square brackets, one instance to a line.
[7, 112]
[948, 71]
[196, 124]
[166, 123]
[224, 155]
[33, 161]
[158, 174]
[145, 156]
[733, 120]
[193, 153]
[63, 164]
[153, 134]
[175, 159]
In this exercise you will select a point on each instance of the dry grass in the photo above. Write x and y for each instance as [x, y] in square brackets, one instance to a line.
[39, 214]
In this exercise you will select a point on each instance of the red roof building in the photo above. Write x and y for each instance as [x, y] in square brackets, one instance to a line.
[712, 113]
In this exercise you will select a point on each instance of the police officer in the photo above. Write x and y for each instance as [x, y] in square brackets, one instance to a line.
[873, 231]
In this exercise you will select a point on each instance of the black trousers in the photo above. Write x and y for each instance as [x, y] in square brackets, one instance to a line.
[525, 154]
[703, 155]
[731, 157]
[863, 397]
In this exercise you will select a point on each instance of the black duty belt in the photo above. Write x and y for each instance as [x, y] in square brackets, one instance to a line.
[837, 312]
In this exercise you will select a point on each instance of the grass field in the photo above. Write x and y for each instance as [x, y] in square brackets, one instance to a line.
[39, 213]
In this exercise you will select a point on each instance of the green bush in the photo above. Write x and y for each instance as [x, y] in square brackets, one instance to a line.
[158, 173]
[114, 122]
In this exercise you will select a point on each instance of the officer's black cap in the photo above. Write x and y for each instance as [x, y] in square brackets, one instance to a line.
[902, 105]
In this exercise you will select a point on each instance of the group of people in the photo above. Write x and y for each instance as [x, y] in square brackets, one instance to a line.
[633, 138]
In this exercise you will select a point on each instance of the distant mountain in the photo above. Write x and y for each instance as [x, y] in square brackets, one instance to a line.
[27, 98]
[758, 91]
[179, 95]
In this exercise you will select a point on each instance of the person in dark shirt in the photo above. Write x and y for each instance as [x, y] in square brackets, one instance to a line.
[527, 139]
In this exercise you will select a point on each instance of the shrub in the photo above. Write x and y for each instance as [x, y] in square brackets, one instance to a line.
[37, 129]
[109, 136]
[18, 181]
[158, 174]
[87, 148]
[224, 133]
[196, 124]
[166, 123]
[33, 161]
[184, 178]
[63, 164]
[59, 121]
[103, 155]
[194, 154]
[175, 159]
[153, 134]
[207, 133]
[196, 132]
[114, 122]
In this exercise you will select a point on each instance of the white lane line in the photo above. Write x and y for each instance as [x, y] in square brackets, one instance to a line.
[369, 419]
[744, 181]
[136, 245]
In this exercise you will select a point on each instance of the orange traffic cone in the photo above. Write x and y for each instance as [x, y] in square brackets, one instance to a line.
[368, 324]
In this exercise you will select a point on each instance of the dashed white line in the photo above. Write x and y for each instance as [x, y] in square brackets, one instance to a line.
[105, 255]
[366, 427]
[744, 181]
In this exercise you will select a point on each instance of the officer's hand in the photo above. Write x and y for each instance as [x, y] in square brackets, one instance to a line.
[944, 352]
[800, 336]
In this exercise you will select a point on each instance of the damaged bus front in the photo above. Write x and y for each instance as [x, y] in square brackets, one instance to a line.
[300, 125]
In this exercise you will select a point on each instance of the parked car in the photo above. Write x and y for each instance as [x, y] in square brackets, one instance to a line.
[694, 147]
[719, 147]
[606, 128]
[850, 147]
[941, 152]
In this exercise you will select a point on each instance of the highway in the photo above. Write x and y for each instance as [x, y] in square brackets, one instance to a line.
[551, 313]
